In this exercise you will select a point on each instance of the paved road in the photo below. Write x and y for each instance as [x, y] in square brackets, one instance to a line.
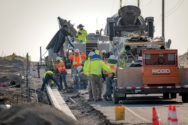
[139, 109]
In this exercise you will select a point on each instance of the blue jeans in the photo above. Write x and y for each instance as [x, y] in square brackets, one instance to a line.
[62, 78]
[46, 79]
[108, 86]
[75, 78]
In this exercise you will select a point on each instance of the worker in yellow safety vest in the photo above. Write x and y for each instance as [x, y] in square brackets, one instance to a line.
[112, 63]
[60, 66]
[49, 76]
[86, 64]
[94, 69]
[76, 58]
[82, 33]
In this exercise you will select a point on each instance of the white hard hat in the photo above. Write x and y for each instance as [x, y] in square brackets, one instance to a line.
[76, 50]
[112, 57]
[79, 68]
[104, 51]
[58, 58]
[91, 53]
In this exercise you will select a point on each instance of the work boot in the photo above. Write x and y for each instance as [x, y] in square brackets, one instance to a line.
[105, 98]
[109, 98]
[99, 99]
[90, 100]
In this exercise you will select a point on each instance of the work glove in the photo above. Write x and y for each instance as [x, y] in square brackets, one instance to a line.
[79, 33]
[113, 75]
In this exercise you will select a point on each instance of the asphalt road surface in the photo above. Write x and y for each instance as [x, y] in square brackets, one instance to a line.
[138, 109]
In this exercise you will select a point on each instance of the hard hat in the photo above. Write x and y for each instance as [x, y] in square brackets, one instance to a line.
[91, 53]
[104, 51]
[97, 52]
[112, 57]
[58, 58]
[76, 50]
[80, 25]
[79, 68]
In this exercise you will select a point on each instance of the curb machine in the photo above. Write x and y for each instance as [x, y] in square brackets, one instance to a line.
[146, 65]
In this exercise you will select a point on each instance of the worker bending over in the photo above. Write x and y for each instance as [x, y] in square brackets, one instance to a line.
[82, 33]
[112, 63]
[94, 68]
[49, 77]
[76, 58]
[62, 72]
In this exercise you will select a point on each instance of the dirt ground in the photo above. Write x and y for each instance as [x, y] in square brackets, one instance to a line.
[34, 114]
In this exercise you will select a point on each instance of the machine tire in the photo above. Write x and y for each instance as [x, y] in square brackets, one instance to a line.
[166, 95]
[185, 97]
[173, 95]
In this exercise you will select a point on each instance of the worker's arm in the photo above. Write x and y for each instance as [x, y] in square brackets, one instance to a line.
[85, 67]
[105, 67]
[85, 33]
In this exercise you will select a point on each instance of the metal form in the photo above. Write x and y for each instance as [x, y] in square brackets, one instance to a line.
[58, 102]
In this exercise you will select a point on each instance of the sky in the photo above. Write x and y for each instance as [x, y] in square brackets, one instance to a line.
[25, 25]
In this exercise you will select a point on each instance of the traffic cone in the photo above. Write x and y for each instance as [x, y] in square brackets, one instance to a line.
[155, 117]
[174, 119]
[169, 114]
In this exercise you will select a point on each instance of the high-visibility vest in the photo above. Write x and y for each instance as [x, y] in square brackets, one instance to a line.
[61, 69]
[83, 35]
[61, 66]
[48, 72]
[95, 67]
[80, 60]
[101, 53]
[112, 67]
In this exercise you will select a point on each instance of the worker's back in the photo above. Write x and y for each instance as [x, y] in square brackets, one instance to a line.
[96, 65]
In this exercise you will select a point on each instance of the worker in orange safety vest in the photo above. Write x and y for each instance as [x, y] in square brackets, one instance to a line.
[112, 63]
[60, 66]
[77, 58]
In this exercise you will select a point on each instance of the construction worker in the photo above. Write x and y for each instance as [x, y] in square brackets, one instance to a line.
[82, 33]
[94, 68]
[62, 72]
[112, 63]
[86, 64]
[76, 58]
[49, 75]
[97, 55]
[102, 54]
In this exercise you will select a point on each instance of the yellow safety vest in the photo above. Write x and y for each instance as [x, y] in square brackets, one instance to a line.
[95, 67]
[83, 35]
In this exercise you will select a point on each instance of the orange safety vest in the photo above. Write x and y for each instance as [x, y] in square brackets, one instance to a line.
[61, 67]
[101, 54]
[112, 67]
[77, 60]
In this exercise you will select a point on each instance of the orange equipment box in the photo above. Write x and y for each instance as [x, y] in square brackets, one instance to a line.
[160, 67]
